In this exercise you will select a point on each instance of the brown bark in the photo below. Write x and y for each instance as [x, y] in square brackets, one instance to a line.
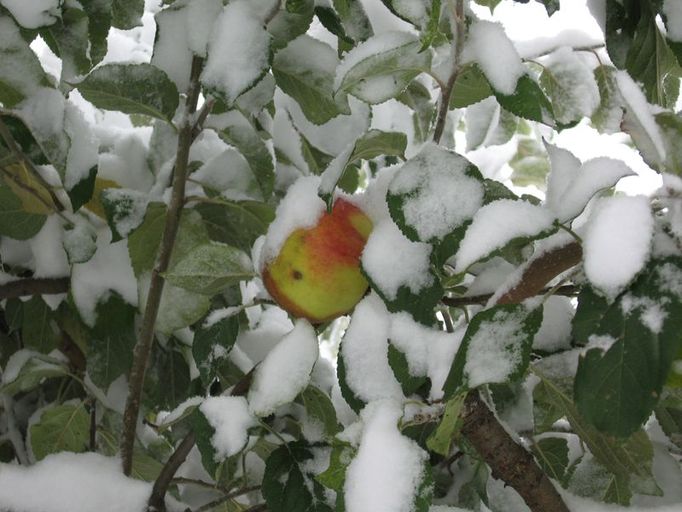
[34, 286]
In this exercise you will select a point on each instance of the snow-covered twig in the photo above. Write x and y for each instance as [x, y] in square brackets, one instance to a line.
[13, 433]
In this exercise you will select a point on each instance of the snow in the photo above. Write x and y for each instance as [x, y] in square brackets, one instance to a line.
[44, 113]
[108, 270]
[440, 196]
[201, 14]
[409, 261]
[300, 208]
[488, 45]
[48, 254]
[238, 51]
[166, 419]
[365, 352]
[498, 223]
[82, 156]
[670, 279]
[231, 419]
[571, 185]
[172, 52]
[48, 486]
[673, 13]
[651, 314]
[555, 331]
[429, 352]
[413, 10]
[257, 341]
[34, 14]
[373, 46]
[577, 90]
[387, 470]
[617, 242]
[285, 371]
[494, 351]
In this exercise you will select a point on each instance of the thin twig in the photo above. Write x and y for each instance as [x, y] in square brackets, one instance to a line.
[446, 91]
[14, 148]
[568, 290]
[201, 118]
[143, 347]
[34, 286]
[223, 499]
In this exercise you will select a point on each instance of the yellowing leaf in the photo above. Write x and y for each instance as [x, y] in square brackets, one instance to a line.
[28, 189]
[95, 204]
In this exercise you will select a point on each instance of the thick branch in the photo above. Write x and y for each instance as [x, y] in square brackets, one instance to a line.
[145, 340]
[34, 286]
[508, 461]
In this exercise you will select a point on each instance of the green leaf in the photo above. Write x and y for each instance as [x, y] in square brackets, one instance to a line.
[591, 309]
[237, 223]
[530, 163]
[310, 81]
[99, 23]
[670, 125]
[14, 221]
[168, 381]
[487, 124]
[376, 143]
[143, 243]
[242, 135]
[204, 432]
[131, 89]
[127, 14]
[347, 393]
[471, 86]
[440, 439]
[354, 19]
[418, 98]
[608, 115]
[552, 455]
[212, 345]
[495, 348]
[210, 268]
[81, 192]
[617, 389]
[68, 39]
[335, 475]
[319, 407]
[287, 486]
[398, 363]
[628, 460]
[32, 371]
[37, 332]
[63, 428]
[384, 74]
[292, 20]
[112, 339]
[528, 101]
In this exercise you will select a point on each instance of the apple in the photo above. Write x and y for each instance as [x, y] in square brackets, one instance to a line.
[316, 274]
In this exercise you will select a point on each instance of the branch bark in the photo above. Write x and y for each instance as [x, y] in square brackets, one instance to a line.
[34, 286]
[568, 290]
[145, 340]
[509, 461]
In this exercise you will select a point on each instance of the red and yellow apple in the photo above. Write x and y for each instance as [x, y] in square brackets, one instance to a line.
[316, 274]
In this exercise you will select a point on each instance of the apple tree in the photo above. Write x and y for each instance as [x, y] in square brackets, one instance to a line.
[517, 259]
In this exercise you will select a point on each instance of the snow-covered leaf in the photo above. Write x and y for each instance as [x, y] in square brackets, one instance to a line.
[288, 483]
[213, 341]
[434, 193]
[68, 39]
[125, 210]
[609, 113]
[441, 438]
[210, 268]
[61, 428]
[37, 332]
[552, 455]
[617, 242]
[488, 124]
[381, 67]
[26, 369]
[498, 224]
[291, 21]
[143, 243]
[126, 14]
[320, 408]
[400, 367]
[132, 89]
[571, 185]
[616, 388]
[236, 222]
[418, 98]
[495, 348]
[305, 71]
[353, 18]
[239, 42]
[471, 86]
[285, 371]
[570, 86]
[528, 101]
[80, 243]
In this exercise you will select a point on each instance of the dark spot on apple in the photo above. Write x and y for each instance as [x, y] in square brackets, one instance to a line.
[296, 275]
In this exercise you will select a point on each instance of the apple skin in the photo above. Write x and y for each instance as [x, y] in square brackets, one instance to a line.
[316, 274]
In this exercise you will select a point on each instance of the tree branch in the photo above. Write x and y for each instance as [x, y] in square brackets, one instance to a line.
[145, 340]
[568, 290]
[508, 461]
[446, 90]
[34, 286]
